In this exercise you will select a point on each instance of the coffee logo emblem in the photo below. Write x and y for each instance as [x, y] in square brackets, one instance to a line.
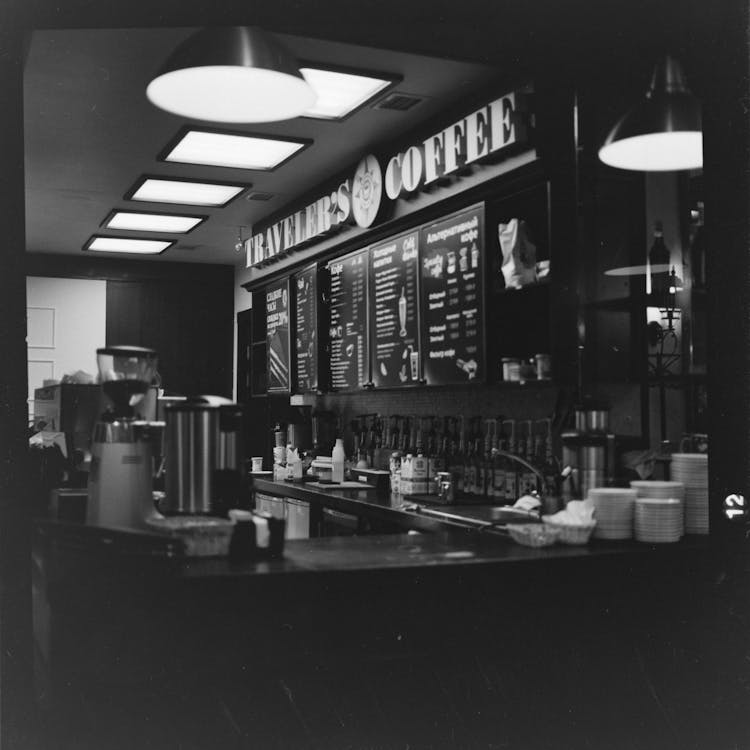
[367, 191]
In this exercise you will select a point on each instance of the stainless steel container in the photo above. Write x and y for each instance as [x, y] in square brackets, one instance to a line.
[597, 420]
[203, 455]
[592, 419]
[593, 458]
[590, 478]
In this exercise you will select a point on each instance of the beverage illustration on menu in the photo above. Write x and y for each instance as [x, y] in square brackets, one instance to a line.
[394, 270]
[348, 332]
[306, 329]
[452, 298]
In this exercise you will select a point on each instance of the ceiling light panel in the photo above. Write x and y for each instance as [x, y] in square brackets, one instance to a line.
[239, 151]
[340, 93]
[185, 192]
[127, 245]
[151, 222]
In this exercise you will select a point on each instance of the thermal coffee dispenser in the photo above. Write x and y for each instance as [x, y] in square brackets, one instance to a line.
[592, 451]
[203, 456]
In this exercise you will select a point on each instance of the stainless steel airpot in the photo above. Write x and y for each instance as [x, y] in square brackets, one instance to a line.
[203, 456]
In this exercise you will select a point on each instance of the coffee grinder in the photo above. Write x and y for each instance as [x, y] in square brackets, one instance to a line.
[120, 487]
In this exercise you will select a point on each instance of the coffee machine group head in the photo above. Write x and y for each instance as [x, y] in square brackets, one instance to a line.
[120, 489]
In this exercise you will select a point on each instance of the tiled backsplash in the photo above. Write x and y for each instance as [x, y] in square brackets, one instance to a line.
[510, 402]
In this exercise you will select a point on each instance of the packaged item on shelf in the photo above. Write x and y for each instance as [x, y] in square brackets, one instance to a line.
[518, 254]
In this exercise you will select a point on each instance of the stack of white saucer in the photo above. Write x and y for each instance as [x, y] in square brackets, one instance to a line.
[665, 508]
[613, 510]
[658, 519]
[692, 470]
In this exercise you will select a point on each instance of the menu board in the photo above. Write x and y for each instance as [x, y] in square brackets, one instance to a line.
[452, 298]
[394, 269]
[305, 285]
[348, 330]
[277, 336]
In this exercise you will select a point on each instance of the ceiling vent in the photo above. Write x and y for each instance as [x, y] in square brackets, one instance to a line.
[256, 195]
[398, 101]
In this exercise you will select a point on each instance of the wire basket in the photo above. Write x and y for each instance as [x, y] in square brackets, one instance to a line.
[533, 534]
[571, 533]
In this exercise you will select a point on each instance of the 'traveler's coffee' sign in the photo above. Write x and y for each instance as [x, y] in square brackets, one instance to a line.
[486, 131]
[484, 134]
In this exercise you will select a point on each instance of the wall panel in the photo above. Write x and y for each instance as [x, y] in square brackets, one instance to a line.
[188, 322]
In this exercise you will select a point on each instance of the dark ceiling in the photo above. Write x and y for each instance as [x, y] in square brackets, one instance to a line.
[90, 133]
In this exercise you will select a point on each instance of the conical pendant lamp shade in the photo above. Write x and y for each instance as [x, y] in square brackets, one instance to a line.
[663, 132]
[236, 74]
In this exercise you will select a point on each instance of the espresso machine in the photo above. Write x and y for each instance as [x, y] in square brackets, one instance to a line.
[120, 485]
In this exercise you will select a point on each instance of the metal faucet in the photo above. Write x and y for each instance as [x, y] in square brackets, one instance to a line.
[541, 483]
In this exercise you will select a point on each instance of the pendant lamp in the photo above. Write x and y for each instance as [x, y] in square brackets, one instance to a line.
[231, 74]
[663, 132]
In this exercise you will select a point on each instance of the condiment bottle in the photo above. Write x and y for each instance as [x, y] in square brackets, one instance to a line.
[338, 457]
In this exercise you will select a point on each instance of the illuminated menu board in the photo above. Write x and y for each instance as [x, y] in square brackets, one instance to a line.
[305, 286]
[452, 298]
[277, 336]
[348, 331]
[394, 305]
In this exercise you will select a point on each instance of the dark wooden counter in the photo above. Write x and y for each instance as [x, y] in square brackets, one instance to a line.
[438, 640]
[120, 548]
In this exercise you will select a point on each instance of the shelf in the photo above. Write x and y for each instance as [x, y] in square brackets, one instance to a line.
[539, 284]
[510, 384]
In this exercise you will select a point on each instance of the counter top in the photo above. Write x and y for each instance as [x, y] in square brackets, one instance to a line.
[429, 551]
[420, 542]
[333, 555]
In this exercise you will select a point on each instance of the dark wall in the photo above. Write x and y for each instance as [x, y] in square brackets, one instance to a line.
[183, 310]
[188, 322]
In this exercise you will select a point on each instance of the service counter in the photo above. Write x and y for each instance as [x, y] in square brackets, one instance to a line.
[389, 512]
[444, 639]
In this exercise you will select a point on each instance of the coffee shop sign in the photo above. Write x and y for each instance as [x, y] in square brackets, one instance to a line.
[357, 200]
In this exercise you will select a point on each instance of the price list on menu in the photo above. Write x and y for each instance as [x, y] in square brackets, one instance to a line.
[394, 268]
[305, 286]
[277, 336]
[348, 323]
[452, 298]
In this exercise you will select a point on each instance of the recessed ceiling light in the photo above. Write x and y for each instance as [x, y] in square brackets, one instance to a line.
[340, 93]
[237, 150]
[127, 245]
[152, 222]
[188, 192]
